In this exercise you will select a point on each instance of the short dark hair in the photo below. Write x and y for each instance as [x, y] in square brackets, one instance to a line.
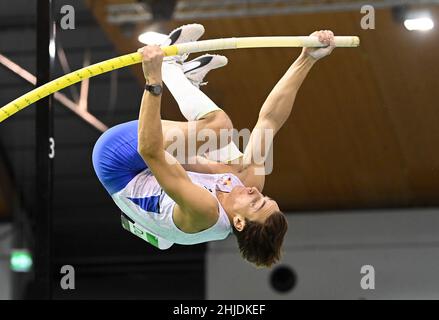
[260, 243]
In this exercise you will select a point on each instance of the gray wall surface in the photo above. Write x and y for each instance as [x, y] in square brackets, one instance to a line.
[327, 251]
[5, 247]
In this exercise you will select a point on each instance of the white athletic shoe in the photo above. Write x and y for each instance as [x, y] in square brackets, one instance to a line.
[195, 70]
[186, 33]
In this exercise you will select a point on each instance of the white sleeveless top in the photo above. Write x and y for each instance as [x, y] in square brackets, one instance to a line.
[144, 201]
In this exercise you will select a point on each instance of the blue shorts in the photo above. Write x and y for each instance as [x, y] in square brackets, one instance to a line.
[115, 157]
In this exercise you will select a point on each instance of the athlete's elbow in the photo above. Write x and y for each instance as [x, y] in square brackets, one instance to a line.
[148, 151]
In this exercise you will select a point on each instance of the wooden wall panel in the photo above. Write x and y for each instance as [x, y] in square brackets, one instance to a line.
[364, 127]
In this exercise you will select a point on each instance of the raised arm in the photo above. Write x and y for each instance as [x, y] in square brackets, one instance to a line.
[279, 103]
[193, 200]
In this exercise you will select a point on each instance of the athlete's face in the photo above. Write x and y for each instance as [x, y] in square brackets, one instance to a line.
[251, 204]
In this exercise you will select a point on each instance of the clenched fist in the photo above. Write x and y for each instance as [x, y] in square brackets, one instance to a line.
[152, 58]
[326, 37]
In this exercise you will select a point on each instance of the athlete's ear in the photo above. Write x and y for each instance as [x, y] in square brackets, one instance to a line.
[239, 222]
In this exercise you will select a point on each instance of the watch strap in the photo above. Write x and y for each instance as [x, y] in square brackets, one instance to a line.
[151, 88]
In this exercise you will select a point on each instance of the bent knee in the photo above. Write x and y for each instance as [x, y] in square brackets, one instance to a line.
[219, 120]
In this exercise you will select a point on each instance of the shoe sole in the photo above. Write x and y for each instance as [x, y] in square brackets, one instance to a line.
[176, 33]
[204, 61]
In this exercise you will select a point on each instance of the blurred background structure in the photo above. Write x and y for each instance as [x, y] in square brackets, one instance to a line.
[356, 167]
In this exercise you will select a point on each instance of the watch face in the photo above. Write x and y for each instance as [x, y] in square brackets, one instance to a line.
[157, 90]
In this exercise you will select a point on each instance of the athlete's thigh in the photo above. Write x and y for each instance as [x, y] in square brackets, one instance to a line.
[181, 132]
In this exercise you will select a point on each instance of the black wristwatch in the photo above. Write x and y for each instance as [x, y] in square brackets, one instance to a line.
[155, 89]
